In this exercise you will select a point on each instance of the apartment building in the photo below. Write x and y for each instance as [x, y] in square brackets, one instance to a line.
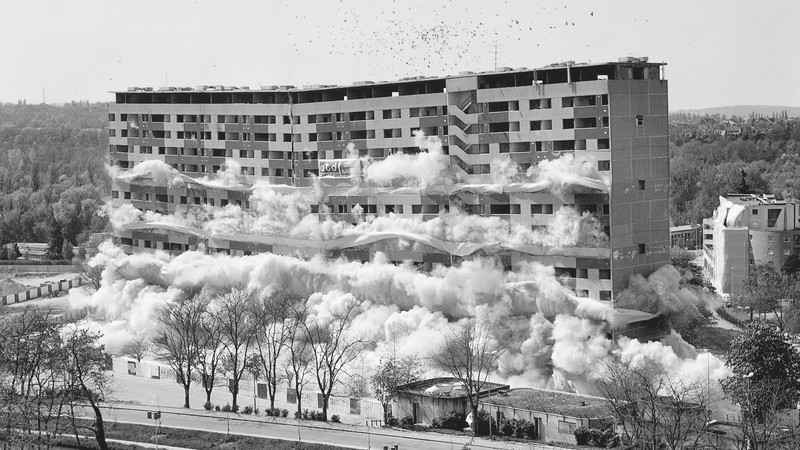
[748, 229]
[614, 114]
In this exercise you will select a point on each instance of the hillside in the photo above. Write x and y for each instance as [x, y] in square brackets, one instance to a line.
[744, 110]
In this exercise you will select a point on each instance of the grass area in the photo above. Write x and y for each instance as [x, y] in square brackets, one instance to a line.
[717, 340]
[739, 313]
[197, 439]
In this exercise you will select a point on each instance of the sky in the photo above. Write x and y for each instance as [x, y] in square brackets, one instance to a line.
[717, 53]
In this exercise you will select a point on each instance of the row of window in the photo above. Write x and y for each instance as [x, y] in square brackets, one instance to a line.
[427, 111]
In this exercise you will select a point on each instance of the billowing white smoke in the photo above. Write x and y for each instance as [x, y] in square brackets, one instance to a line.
[161, 173]
[568, 228]
[229, 176]
[693, 369]
[426, 168]
[568, 174]
[545, 326]
[579, 344]
[662, 293]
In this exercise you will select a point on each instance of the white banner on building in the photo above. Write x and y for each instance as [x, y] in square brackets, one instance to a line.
[338, 168]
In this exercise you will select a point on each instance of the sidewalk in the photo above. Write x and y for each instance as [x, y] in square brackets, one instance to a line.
[435, 438]
[137, 390]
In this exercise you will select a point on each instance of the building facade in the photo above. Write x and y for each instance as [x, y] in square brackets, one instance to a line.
[748, 229]
[613, 114]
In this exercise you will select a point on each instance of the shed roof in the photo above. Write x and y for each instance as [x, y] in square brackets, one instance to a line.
[551, 402]
[447, 387]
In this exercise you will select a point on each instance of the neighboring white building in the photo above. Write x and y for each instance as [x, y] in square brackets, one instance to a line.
[748, 229]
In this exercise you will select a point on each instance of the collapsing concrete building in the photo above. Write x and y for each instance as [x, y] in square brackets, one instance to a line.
[578, 151]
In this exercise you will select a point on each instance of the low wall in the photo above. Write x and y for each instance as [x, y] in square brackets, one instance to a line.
[38, 268]
[368, 408]
[44, 289]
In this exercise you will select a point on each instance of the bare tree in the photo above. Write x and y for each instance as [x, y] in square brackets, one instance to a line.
[178, 338]
[470, 353]
[393, 372]
[652, 406]
[764, 415]
[32, 367]
[92, 275]
[234, 311]
[272, 311]
[298, 367]
[137, 348]
[86, 366]
[333, 346]
[210, 348]
[48, 373]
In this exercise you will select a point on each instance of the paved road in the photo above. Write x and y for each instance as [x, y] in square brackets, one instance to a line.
[316, 432]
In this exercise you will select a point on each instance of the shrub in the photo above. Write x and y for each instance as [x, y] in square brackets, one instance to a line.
[306, 414]
[485, 420]
[407, 422]
[226, 408]
[216, 408]
[284, 412]
[597, 437]
[335, 418]
[506, 427]
[392, 422]
[247, 410]
[208, 406]
[525, 429]
[298, 415]
[450, 421]
[235, 408]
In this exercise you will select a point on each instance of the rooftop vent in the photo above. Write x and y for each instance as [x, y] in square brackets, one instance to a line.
[503, 69]
[362, 83]
[270, 87]
[626, 59]
[466, 72]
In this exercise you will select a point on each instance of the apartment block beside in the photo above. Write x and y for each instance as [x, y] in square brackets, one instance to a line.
[748, 229]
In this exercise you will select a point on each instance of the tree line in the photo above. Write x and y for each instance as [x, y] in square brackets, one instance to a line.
[53, 181]
[701, 171]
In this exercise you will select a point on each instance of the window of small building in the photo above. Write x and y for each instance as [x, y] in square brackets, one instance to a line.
[542, 208]
[604, 274]
[566, 427]
[605, 295]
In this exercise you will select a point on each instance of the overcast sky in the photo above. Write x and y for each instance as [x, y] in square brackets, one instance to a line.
[718, 53]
